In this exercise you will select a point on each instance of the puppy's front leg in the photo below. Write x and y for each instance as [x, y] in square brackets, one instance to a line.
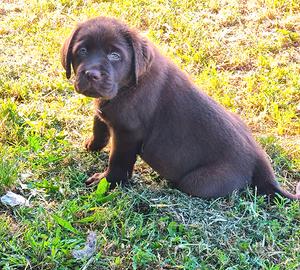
[100, 136]
[121, 161]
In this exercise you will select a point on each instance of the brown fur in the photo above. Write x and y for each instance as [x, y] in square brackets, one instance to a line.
[150, 108]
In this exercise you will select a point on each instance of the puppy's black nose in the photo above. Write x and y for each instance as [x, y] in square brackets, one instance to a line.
[93, 74]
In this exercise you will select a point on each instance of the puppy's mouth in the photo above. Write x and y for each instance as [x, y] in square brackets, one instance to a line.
[104, 88]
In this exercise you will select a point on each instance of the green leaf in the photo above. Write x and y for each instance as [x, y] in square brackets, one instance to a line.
[89, 219]
[107, 198]
[102, 188]
[64, 223]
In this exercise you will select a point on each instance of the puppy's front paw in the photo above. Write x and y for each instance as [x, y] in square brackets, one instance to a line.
[92, 144]
[112, 179]
[95, 179]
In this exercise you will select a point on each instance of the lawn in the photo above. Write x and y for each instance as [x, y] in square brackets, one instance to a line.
[245, 54]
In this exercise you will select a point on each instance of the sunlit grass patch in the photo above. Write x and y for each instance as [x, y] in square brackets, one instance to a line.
[8, 170]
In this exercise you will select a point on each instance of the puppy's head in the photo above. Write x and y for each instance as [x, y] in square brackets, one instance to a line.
[106, 56]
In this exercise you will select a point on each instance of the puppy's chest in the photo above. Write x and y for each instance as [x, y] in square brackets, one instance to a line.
[120, 117]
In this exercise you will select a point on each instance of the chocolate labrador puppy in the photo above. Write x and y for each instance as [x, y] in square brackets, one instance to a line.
[149, 107]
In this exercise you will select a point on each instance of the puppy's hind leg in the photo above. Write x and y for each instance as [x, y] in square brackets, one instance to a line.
[212, 182]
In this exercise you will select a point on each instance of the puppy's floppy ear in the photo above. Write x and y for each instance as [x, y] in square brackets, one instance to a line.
[66, 53]
[142, 54]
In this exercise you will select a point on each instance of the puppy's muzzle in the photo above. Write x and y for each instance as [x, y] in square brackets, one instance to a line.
[95, 82]
[93, 75]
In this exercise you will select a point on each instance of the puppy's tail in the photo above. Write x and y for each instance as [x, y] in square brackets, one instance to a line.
[264, 180]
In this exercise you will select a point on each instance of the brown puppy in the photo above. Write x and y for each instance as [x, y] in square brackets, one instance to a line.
[150, 108]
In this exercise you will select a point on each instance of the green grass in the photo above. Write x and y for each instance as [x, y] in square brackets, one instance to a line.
[243, 53]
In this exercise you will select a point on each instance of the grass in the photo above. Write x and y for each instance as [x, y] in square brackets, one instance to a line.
[243, 53]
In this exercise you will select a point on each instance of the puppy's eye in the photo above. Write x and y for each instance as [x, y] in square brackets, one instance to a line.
[114, 56]
[82, 52]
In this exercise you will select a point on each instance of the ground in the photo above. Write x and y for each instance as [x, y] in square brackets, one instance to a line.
[245, 54]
